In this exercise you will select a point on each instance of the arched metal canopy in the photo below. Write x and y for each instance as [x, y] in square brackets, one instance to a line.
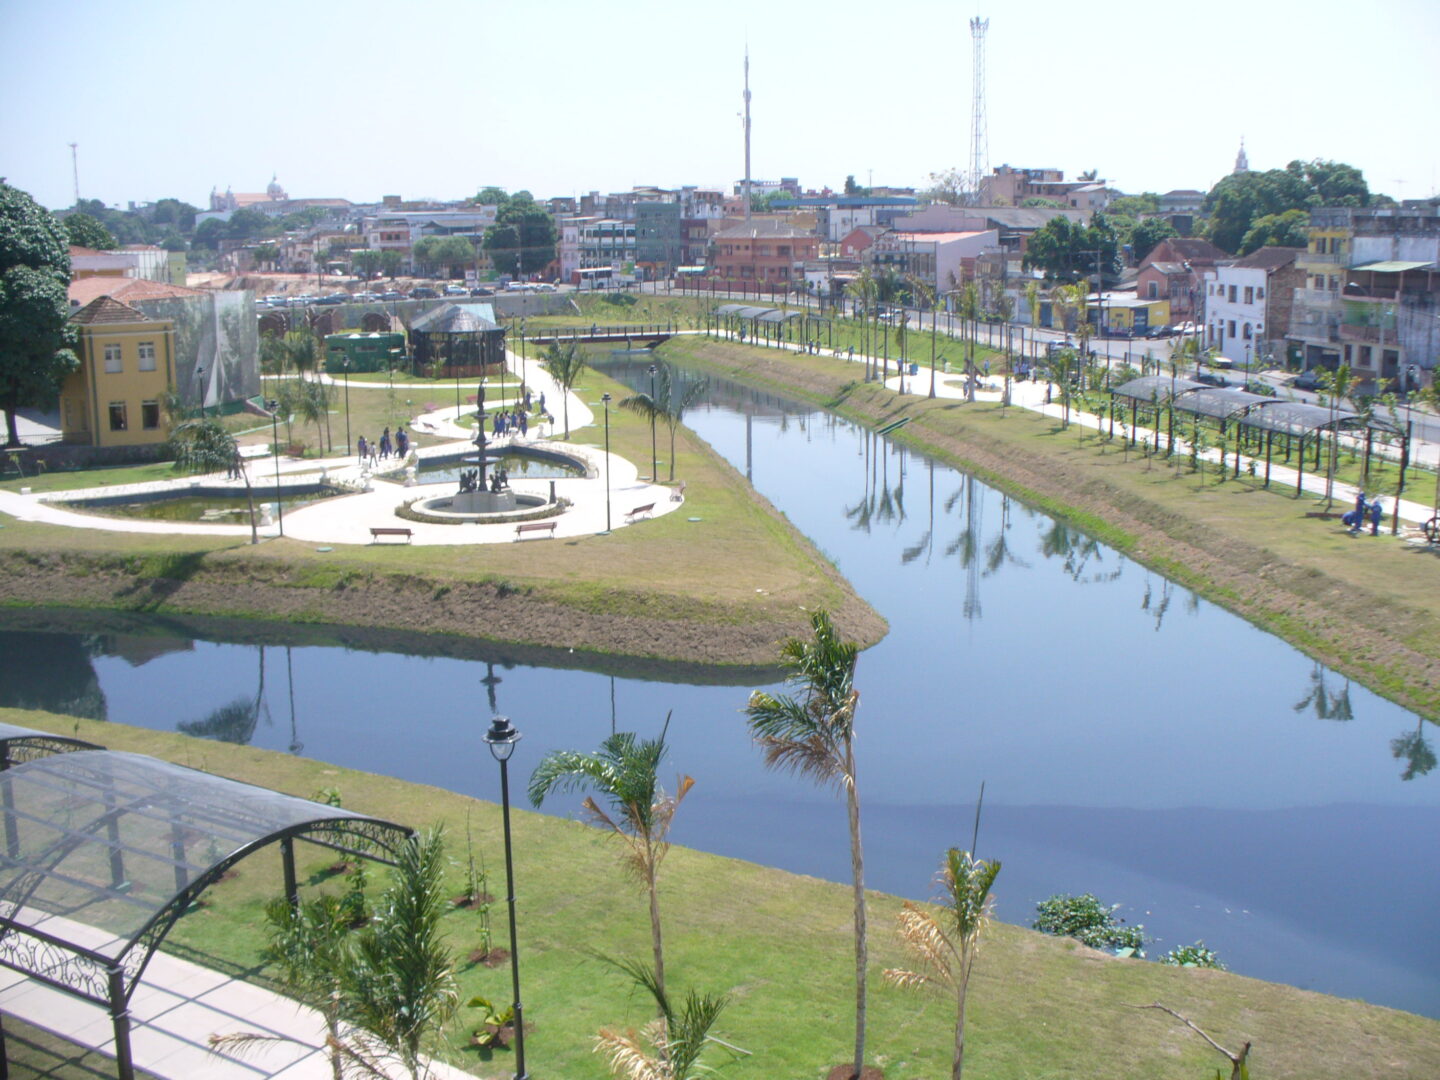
[105, 850]
[19, 744]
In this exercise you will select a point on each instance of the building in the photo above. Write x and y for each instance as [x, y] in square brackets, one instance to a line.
[1182, 207]
[1176, 270]
[1013, 225]
[764, 251]
[1371, 298]
[1007, 186]
[1248, 304]
[399, 231]
[1123, 313]
[657, 237]
[941, 260]
[837, 216]
[117, 396]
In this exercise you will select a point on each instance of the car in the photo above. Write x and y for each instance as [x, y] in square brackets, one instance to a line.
[424, 292]
[1209, 378]
[456, 290]
[334, 298]
[482, 291]
[392, 294]
[365, 297]
[1160, 332]
[1307, 380]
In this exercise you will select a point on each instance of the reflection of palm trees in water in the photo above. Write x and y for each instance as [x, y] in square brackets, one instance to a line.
[1325, 703]
[926, 544]
[1152, 605]
[234, 722]
[1061, 541]
[998, 551]
[1419, 755]
[295, 744]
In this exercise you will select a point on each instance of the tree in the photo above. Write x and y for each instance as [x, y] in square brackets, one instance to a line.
[676, 1039]
[946, 947]
[625, 773]
[204, 446]
[814, 737]
[565, 363]
[174, 212]
[35, 332]
[1038, 203]
[247, 224]
[1067, 250]
[87, 232]
[365, 263]
[390, 263]
[1135, 206]
[443, 253]
[1290, 229]
[666, 405]
[491, 196]
[1147, 235]
[523, 236]
[267, 254]
[1236, 201]
[947, 187]
[209, 233]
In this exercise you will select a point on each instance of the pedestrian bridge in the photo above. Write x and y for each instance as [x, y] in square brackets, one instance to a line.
[632, 336]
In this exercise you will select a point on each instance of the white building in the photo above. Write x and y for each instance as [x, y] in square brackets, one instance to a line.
[1247, 305]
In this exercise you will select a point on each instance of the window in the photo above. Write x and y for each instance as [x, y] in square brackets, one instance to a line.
[1247, 331]
[1259, 294]
[1319, 281]
[1232, 295]
[112, 360]
[1231, 328]
[1154, 290]
[147, 356]
[117, 416]
[150, 415]
[1249, 294]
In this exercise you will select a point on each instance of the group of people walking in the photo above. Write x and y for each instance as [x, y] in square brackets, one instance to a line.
[372, 451]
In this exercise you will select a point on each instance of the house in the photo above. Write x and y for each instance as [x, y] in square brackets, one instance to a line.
[1007, 186]
[764, 250]
[126, 369]
[939, 259]
[859, 240]
[1182, 207]
[1248, 303]
[1014, 225]
[1182, 277]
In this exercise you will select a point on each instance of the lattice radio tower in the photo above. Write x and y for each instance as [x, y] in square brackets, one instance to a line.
[979, 135]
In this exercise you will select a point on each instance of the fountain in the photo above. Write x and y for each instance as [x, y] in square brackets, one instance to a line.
[474, 497]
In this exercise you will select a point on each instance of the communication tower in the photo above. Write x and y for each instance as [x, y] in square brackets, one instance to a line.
[979, 135]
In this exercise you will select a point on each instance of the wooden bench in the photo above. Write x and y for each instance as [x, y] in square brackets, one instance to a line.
[647, 508]
[535, 526]
[377, 533]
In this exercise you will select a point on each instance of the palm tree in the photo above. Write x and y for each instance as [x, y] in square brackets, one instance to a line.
[565, 363]
[312, 405]
[1337, 387]
[945, 947]
[204, 446]
[666, 405]
[676, 1039]
[814, 737]
[970, 313]
[862, 291]
[625, 773]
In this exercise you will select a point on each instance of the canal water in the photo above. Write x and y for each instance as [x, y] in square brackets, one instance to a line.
[1134, 742]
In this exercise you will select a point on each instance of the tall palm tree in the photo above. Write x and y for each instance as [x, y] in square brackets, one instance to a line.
[814, 737]
[625, 773]
[945, 947]
[565, 363]
[666, 405]
[862, 291]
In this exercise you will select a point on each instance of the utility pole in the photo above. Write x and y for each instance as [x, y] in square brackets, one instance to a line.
[75, 166]
[746, 185]
[979, 133]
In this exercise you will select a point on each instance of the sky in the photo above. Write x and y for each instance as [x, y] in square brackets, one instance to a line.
[358, 99]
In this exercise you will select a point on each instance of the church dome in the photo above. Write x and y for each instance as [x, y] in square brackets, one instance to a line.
[274, 190]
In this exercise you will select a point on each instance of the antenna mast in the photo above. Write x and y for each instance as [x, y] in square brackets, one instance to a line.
[979, 135]
[747, 133]
[75, 165]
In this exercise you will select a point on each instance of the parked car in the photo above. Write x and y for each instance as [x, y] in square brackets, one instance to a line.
[456, 290]
[1160, 332]
[1307, 380]
[365, 297]
[482, 291]
[392, 294]
[423, 292]
[1209, 378]
[334, 298]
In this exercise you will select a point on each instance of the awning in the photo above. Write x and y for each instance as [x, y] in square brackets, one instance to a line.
[1394, 267]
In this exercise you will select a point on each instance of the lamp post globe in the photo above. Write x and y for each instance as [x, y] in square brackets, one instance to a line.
[501, 738]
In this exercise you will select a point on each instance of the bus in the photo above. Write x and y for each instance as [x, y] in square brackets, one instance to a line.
[594, 277]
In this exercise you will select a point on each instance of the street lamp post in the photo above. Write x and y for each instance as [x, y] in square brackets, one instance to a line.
[345, 364]
[275, 449]
[200, 386]
[654, 460]
[605, 398]
[523, 383]
[501, 739]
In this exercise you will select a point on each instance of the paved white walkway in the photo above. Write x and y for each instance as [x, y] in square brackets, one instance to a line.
[347, 519]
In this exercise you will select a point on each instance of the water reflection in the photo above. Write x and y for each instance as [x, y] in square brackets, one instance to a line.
[1325, 703]
[53, 673]
[1414, 750]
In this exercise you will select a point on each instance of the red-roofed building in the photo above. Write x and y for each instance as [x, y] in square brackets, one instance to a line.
[764, 251]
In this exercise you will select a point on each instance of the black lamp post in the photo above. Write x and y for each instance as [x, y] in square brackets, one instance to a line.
[654, 461]
[605, 399]
[200, 386]
[345, 365]
[501, 739]
[275, 448]
[523, 383]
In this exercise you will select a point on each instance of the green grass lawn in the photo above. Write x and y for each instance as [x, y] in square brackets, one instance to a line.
[781, 946]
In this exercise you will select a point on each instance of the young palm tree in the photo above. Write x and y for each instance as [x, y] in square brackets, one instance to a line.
[565, 363]
[946, 947]
[666, 406]
[204, 446]
[814, 737]
[676, 1039]
[625, 773]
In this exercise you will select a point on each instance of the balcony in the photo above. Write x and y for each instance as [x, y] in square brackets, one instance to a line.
[1368, 335]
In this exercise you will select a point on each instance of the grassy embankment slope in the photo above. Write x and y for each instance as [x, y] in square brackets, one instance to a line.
[721, 590]
[1367, 607]
[781, 945]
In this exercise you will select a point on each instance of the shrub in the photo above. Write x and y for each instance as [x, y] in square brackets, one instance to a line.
[1196, 955]
[1089, 922]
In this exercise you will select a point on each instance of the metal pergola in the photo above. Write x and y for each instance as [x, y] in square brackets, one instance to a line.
[105, 850]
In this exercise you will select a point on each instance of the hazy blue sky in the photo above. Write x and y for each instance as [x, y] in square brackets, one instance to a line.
[359, 99]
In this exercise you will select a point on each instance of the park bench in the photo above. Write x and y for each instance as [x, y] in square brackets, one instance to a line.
[535, 526]
[378, 532]
[647, 508]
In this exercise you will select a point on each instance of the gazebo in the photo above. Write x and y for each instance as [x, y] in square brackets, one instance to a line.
[105, 850]
[467, 342]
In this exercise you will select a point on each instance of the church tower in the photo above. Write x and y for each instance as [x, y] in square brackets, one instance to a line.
[1242, 163]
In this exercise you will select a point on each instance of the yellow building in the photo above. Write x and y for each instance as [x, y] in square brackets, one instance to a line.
[126, 367]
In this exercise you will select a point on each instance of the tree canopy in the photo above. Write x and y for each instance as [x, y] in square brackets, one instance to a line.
[443, 253]
[1290, 229]
[1068, 251]
[1147, 234]
[35, 332]
[523, 237]
[1236, 201]
[87, 232]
